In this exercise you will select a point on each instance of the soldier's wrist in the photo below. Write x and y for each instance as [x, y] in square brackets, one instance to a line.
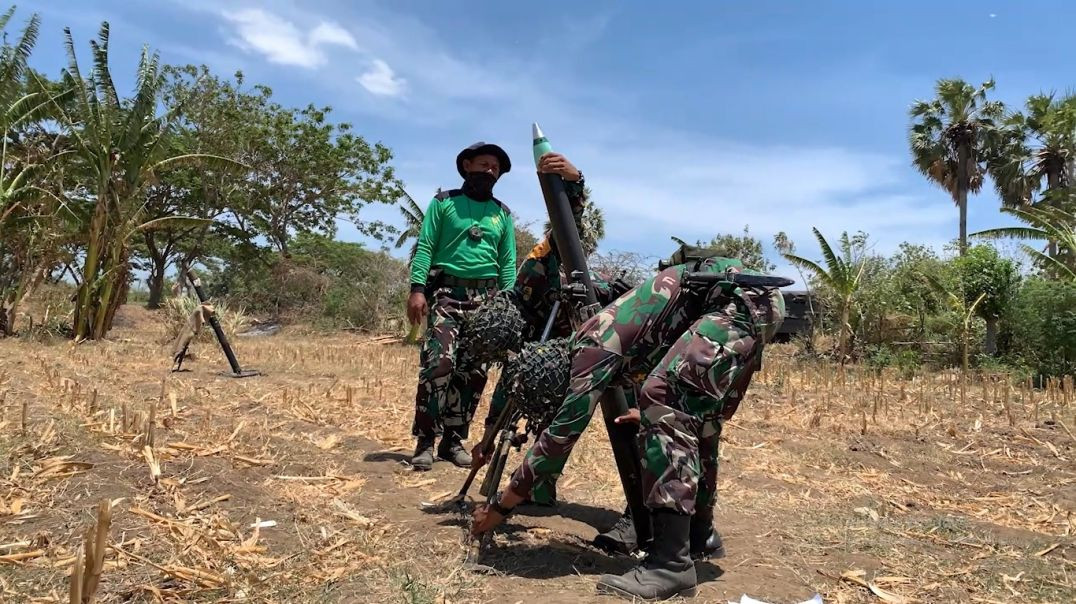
[418, 288]
[496, 506]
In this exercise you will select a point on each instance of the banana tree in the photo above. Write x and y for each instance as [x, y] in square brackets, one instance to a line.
[121, 144]
[27, 160]
[413, 215]
[1045, 223]
[959, 304]
[842, 274]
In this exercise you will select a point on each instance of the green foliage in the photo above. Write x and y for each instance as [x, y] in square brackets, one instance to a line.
[593, 224]
[308, 171]
[1035, 151]
[952, 137]
[983, 272]
[906, 360]
[525, 242]
[334, 284]
[1040, 327]
[1054, 223]
[746, 248]
[842, 276]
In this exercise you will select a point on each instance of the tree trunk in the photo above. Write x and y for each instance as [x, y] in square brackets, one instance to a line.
[991, 342]
[964, 360]
[84, 308]
[846, 329]
[7, 318]
[1053, 182]
[156, 281]
[159, 264]
[962, 194]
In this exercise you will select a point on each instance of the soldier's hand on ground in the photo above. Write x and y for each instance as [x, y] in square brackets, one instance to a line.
[631, 417]
[417, 308]
[478, 456]
[485, 519]
[555, 163]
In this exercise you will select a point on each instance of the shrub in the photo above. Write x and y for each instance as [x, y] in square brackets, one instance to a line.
[177, 311]
[1040, 328]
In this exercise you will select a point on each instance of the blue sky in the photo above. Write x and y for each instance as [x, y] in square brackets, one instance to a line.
[688, 118]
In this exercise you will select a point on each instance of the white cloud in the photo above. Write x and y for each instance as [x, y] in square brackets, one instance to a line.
[381, 80]
[331, 33]
[651, 183]
[281, 41]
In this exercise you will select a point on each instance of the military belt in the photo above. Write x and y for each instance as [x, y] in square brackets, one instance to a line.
[447, 280]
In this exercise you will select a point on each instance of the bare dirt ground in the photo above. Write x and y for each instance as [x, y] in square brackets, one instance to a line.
[860, 488]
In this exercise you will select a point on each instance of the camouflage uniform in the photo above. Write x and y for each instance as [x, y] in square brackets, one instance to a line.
[536, 288]
[686, 358]
[449, 384]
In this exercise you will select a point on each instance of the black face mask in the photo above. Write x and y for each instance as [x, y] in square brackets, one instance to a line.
[479, 185]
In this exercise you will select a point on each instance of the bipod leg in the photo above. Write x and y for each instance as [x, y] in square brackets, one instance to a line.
[492, 479]
[177, 361]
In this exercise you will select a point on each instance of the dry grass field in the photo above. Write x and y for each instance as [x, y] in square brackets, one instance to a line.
[293, 487]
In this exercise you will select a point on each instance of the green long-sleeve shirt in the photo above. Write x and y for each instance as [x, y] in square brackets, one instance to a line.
[444, 240]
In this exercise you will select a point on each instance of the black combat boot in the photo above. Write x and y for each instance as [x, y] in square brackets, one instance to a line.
[451, 449]
[668, 569]
[705, 540]
[621, 538]
[423, 458]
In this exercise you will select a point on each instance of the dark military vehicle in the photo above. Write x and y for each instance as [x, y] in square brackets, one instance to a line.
[798, 315]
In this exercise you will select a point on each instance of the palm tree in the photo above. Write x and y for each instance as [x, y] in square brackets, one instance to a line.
[1037, 149]
[842, 274]
[951, 139]
[1045, 223]
[121, 144]
[413, 215]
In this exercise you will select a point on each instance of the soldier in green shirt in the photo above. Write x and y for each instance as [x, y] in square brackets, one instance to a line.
[466, 251]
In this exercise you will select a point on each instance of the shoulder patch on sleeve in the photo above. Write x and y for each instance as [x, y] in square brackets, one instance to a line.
[503, 206]
[443, 195]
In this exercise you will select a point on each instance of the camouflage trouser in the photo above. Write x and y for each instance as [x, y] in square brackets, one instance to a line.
[602, 356]
[449, 384]
[681, 404]
[694, 375]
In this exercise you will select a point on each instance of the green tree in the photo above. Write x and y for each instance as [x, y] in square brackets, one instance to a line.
[746, 248]
[1037, 155]
[952, 138]
[985, 276]
[842, 275]
[525, 242]
[358, 288]
[214, 121]
[1042, 327]
[29, 164]
[120, 145]
[911, 294]
[307, 172]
